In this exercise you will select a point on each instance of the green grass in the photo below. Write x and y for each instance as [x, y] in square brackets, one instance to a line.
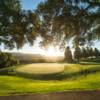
[74, 77]
[46, 68]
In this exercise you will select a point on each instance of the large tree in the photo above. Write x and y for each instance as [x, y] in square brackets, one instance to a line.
[17, 26]
[63, 19]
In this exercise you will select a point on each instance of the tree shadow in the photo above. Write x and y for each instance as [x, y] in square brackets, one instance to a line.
[60, 76]
[57, 76]
[89, 63]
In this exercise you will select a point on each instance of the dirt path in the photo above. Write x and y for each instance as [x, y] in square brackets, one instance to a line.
[70, 95]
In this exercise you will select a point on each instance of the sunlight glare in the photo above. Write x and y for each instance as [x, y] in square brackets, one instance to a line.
[52, 51]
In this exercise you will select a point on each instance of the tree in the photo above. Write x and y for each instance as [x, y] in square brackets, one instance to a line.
[68, 54]
[7, 60]
[77, 53]
[91, 52]
[84, 53]
[16, 25]
[96, 52]
[88, 52]
[63, 19]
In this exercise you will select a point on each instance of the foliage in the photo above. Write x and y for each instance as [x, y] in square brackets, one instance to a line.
[91, 52]
[86, 52]
[55, 21]
[63, 19]
[17, 26]
[7, 60]
[77, 53]
[96, 52]
[68, 55]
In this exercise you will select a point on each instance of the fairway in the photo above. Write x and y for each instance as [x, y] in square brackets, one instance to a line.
[44, 68]
[84, 76]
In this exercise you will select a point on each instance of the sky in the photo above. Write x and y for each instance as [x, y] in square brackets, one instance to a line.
[30, 4]
[35, 49]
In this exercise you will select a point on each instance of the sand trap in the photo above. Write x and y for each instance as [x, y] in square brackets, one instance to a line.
[42, 68]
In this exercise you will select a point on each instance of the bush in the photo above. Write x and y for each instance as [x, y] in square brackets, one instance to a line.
[7, 60]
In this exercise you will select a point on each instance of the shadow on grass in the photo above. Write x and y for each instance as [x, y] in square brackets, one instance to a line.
[84, 72]
[89, 63]
[95, 60]
[58, 76]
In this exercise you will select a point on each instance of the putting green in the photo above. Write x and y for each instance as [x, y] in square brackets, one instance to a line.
[42, 68]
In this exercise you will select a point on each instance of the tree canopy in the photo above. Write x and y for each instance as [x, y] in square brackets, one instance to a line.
[64, 19]
[56, 21]
[17, 26]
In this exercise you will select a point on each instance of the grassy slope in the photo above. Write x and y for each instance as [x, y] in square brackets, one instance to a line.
[74, 77]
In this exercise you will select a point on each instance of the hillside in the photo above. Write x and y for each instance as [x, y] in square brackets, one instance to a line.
[33, 58]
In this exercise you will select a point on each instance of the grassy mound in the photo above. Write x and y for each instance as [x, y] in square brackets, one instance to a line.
[46, 68]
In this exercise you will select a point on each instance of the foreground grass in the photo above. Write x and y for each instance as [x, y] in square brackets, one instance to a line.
[74, 77]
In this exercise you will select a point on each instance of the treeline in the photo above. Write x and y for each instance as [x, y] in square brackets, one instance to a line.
[81, 53]
[11, 59]
[86, 52]
[7, 60]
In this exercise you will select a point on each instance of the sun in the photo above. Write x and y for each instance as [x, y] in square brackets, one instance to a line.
[52, 51]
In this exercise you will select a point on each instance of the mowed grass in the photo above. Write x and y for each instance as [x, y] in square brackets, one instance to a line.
[46, 68]
[74, 77]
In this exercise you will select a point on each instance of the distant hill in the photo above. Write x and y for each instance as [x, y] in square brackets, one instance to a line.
[33, 58]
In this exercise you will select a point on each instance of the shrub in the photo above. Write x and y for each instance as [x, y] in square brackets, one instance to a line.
[7, 60]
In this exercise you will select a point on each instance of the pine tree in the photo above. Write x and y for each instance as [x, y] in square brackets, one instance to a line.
[91, 52]
[68, 54]
[96, 52]
[77, 53]
[87, 51]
